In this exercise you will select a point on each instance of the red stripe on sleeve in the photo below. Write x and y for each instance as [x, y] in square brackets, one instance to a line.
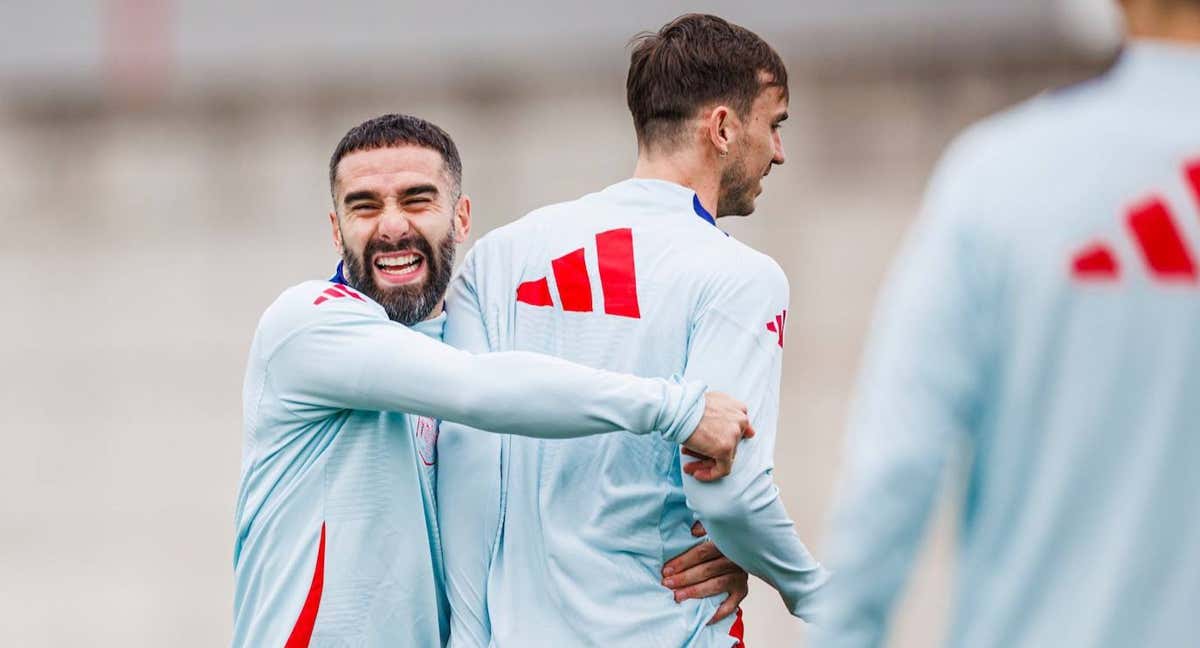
[302, 631]
[1160, 242]
[618, 277]
[574, 286]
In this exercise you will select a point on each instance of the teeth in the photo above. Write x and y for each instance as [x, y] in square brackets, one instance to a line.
[391, 262]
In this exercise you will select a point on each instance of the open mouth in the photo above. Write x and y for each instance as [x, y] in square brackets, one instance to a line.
[399, 267]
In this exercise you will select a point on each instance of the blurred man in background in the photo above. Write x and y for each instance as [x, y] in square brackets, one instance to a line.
[337, 541]
[1043, 317]
[563, 544]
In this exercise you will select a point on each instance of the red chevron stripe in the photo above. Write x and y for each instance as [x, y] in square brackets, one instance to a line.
[535, 293]
[618, 277]
[1160, 241]
[302, 631]
[574, 286]
[348, 292]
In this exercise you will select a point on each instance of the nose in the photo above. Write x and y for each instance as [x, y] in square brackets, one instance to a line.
[780, 157]
[393, 224]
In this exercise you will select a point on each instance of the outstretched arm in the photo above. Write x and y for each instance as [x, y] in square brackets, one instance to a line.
[351, 356]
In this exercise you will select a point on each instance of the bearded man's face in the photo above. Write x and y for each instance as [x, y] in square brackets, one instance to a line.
[397, 222]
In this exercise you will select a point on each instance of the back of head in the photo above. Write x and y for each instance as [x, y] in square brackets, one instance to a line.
[694, 61]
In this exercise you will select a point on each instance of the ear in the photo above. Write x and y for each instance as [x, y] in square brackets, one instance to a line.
[462, 219]
[722, 128]
[337, 231]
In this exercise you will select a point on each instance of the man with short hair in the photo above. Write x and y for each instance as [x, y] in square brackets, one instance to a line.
[1042, 320]
[563, 545]
[337, 542]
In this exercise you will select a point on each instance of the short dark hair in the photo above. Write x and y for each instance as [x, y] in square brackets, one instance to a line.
[398, 130]
[695, 60]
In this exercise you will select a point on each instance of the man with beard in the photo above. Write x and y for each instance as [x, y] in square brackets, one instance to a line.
[337, 542]
[563, 545]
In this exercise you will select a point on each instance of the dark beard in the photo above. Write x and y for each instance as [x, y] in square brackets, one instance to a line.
[408, 304]
[737, 192]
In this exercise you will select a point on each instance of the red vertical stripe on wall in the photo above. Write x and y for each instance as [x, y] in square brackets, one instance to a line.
[618, 277]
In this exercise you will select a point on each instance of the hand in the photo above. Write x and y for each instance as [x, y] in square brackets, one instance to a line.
[716, 438]
[704, 571]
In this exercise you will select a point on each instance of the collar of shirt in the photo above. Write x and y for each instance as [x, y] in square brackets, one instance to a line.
[667, 193]
[339, 276]
[432, 327]
[1151, 58]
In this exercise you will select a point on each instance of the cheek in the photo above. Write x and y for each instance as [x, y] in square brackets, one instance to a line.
[435, 230]
[354, 235]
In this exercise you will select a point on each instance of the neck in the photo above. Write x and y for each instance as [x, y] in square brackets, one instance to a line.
[683, 168]
[1149, 20]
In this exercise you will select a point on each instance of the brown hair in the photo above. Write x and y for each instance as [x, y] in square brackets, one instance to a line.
[693, 61]
[398, 130]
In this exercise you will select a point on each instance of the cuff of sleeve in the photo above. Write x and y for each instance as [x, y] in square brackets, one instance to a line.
[808, 603]
[683, 411]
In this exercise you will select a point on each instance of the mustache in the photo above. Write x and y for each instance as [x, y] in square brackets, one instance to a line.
[408, 243]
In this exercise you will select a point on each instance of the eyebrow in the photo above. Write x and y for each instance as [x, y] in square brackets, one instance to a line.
[367, 194]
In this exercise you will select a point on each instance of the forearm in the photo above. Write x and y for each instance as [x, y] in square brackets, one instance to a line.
[379, 365]
[750, 525]
[539, 396]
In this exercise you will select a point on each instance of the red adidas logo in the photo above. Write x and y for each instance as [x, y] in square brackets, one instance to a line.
[776, 326]
[1157, 236]
[336, 291]
[618, 278]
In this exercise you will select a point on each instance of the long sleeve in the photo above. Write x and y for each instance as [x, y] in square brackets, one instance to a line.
[917, 397]
[350, 356]
[732, 349]
[469, 485]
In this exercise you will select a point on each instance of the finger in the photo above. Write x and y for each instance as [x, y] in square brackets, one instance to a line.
[700, 573]
[692, 453]
[712, 473]
[698, 529]
[710, 587]
[691, 468]
[701, 553]
[749, 432]
[727, 607]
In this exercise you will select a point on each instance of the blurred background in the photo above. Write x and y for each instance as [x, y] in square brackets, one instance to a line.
[163, 178]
